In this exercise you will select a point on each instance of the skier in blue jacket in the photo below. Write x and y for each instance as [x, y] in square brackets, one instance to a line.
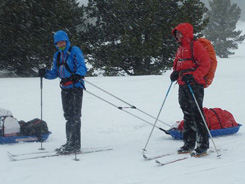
[69, 66]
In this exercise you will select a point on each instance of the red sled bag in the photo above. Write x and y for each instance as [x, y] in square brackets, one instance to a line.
[216, 118]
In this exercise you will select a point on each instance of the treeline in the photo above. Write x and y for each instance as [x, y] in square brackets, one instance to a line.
[117, 37]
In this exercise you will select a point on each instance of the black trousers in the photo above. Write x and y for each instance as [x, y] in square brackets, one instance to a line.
[72, 107]
[194, 127]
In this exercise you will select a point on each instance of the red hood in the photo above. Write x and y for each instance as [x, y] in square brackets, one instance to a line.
[186, 30]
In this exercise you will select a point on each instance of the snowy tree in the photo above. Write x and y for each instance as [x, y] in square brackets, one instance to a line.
[26, 32]
[193, 11]
[221, 29]
[134, 36]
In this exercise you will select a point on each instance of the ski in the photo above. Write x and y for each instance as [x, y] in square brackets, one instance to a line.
[30, 153]
[196, 155]
[157, 156]
[170, 162]
[51, 152]
[55, 154]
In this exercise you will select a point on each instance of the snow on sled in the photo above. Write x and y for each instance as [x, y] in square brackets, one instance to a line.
[220, 122]
[13, 131]
[17, 139]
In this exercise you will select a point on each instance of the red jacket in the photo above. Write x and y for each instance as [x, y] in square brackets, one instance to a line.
[184, 63]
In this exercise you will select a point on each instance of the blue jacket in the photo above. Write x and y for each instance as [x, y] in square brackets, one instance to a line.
[75, 62]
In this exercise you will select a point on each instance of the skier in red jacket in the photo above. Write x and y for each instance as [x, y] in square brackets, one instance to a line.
[191, 64]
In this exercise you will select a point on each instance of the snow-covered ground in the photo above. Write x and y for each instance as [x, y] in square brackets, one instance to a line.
[104, 125]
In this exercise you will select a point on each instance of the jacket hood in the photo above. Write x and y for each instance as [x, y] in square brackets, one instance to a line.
[186, 30]
[61, 36]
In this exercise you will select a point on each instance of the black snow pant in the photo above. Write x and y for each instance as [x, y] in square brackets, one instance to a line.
[72, 107]
[194, 127]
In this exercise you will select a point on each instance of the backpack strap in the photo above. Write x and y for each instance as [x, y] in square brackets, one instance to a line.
[210, 124]
[191, 58]
[65, 62]
[3, 127]
[217, 117]
[192, 52]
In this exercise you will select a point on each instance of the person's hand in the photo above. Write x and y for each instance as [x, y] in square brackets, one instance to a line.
[174, 76]
[187, 79]
[75, 78]
[42, 72]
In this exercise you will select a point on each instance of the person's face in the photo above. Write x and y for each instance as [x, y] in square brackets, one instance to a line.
[61, 44]
[179, 36]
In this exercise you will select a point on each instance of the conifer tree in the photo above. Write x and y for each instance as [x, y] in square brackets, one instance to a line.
[134, 36]
[26, 32]
[221, 29]
[193, 11]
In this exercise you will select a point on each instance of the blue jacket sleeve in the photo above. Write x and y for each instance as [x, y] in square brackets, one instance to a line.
[79, 60]
[53, 73]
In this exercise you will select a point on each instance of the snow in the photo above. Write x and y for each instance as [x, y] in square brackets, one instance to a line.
[103, 125]
[84, 2]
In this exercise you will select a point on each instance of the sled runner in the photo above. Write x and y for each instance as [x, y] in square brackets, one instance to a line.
[17, 139]
[177, 134]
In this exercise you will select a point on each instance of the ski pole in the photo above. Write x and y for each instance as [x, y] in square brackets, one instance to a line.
[157, 118]
[76, 134]
[41, 90]
[120, 108]
[211, 137]
[131, 106]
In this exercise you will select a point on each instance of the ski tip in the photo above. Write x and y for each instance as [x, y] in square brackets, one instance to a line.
[157, 161]
[9, 153]
[144, 156]
[12, 158]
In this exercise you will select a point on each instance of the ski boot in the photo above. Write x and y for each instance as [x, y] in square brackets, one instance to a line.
[199, 152]
[61, 147]
[185, 149]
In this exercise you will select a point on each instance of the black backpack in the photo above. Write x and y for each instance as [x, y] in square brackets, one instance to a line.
[34, 127]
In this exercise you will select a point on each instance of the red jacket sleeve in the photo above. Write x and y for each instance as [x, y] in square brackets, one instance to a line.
[175, 61]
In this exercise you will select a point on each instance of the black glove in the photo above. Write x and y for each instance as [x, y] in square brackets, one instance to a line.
[75, 78]
[174, 76]
[188, 79]
[42, 72]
